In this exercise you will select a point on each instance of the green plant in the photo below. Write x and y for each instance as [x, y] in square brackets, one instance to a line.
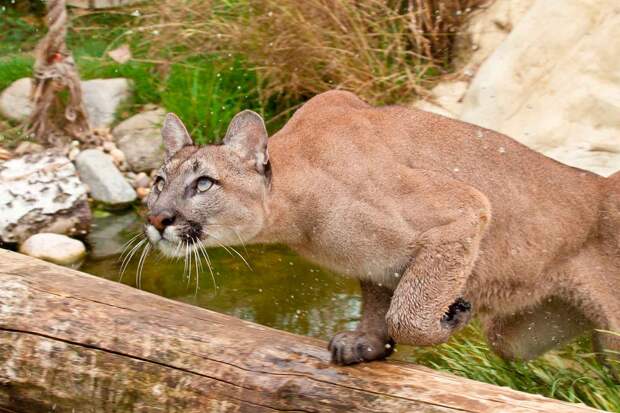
[385, 51]
[572, 373]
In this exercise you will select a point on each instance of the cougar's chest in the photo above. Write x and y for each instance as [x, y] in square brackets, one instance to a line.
[358, 239]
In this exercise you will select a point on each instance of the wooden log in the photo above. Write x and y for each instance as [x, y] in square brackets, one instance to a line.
[71, 342]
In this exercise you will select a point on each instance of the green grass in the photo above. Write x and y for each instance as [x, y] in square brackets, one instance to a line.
[206, 91]
[571, 373]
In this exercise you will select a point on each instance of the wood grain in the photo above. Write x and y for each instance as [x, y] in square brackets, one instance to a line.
[71, 342]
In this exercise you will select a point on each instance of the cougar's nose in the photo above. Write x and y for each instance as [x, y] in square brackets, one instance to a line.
[161, 220]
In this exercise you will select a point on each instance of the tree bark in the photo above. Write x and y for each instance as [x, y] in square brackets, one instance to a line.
[71, 342]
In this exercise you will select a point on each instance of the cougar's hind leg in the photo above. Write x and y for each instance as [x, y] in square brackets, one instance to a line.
[535, 330]
[604, 310]
[592, 283]
[370, 340]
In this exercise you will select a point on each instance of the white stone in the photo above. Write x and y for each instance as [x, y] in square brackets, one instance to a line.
[15, 100]
[554, 83]
[101, 97]
[56, 248]
[41, 193]
[106, 183]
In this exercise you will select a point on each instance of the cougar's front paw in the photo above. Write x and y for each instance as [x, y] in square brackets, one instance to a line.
[352, 347]
[458, 314]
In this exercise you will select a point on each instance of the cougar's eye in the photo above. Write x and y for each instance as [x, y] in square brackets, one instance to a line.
[159, 184]
[203, 184]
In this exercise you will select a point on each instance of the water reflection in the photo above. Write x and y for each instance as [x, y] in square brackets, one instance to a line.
[281, 291]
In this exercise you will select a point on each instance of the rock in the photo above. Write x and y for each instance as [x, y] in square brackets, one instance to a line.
[101, 4]
[108, 146]
[73, 153]
[143, 192]
[102, 98]
[141, 180]
[27, 147]
[15, 102]
[5, 154]
[139, 137]
[554, 83]
[106, 183]
[117, 156]
[41, 193]
[446, 99]
[109, 234]
[56, 248]
[485, 30]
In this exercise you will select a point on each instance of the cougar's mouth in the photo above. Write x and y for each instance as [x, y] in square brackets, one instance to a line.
[175, 239]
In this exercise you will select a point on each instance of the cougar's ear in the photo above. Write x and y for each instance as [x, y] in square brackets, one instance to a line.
[247, 136]
[175, 135]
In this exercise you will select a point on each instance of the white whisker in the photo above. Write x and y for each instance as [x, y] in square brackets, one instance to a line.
[197, 263]
[185, 259]
[229, 248]
[129, 257]
[235, 232]
[208, 261]
[128, 244]
[145, 253]
[189, 273]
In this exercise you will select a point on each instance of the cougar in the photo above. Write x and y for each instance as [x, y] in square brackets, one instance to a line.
[438, 219]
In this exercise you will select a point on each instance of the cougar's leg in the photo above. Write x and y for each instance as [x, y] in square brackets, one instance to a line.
[427, 306]
[591, 282]
[535, 330]
[370, 340]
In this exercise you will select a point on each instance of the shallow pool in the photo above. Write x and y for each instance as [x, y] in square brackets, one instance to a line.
[278, 289]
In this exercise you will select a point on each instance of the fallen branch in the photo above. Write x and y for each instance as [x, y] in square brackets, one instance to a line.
[71, 342]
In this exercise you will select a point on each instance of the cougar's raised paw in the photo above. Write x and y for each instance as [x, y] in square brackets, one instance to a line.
[458, 314]
[352, 347]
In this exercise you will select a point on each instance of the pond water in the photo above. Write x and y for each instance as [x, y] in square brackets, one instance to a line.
[281, 290]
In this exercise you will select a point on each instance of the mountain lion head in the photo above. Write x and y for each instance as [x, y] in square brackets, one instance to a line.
[209, 195]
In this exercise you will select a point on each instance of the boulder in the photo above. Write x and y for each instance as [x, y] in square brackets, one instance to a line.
[15, 101]
[107, 184]
[102, 98]
[139, 138]
[41, 193]
[554, 84]
[485, 30]
[55, 248]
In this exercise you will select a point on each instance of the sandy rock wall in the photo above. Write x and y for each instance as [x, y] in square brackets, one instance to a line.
[552, 82]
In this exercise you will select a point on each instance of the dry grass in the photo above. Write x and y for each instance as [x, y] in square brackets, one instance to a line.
[385, 51]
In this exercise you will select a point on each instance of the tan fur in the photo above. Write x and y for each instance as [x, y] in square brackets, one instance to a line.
[437, 211]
